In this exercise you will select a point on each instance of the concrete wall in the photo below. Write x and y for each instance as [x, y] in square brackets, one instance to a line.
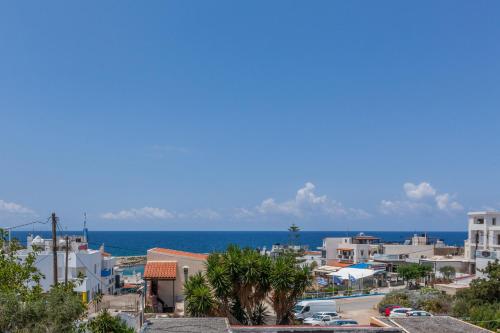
[413, 251]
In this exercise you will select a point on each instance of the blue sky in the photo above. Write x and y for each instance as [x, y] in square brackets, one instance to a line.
[225, 115]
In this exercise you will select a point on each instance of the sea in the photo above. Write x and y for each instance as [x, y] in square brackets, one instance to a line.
[132, 243]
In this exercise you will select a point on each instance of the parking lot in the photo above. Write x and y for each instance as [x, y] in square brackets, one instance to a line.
[359, 308]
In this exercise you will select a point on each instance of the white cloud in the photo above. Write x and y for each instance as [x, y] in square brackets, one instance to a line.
[14, 208]
[421, 198]
[200, 214]
[401, 207]
[305, 204]
[419, 191]
[141, 213]
[444, 202]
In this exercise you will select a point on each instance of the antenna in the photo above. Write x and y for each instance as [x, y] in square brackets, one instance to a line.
[84, 220]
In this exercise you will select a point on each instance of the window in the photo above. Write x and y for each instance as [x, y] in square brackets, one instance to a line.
[498, 239]
[494, 221]
[480, 221]
[307, 309]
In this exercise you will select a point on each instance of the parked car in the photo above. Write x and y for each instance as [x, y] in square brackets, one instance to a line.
[418, 313]
[343, 322]
[382, 309]
[390, 308]
[305, 309]
[399, 312]
[321, 318]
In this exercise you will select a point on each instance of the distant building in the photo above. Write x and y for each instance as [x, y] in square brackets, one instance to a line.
[91, 270]
[165, 273]
[483, 243]
[349, 250]
[311, 258]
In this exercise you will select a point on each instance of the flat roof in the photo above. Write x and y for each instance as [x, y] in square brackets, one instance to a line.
[187, 325]
[484, 212]
[441, 324]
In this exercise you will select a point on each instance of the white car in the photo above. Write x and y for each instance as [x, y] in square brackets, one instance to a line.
[399, 312]
[321, 319]
[418, 313]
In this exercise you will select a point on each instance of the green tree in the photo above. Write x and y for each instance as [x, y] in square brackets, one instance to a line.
[448, 272]
[294, 234]
[239, 282]
[289, 281]
[480, 303]
[106, 323]
[23, 306]
[413, 273]
[199, 301]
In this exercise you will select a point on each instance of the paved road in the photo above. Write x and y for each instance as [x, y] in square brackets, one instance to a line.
[359, 308]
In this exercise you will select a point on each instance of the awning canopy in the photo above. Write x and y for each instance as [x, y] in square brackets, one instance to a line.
[357, 273]
[161, 270]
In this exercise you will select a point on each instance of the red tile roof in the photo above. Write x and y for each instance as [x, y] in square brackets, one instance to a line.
[180, 253]
[166, 270]
[344, 249]
[336, 263]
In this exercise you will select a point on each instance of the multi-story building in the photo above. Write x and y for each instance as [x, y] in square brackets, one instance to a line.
[91, 270]
[349, 250]
[483, 243]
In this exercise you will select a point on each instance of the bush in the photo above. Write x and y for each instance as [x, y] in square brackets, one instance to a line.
[486, 315]
[427, 299]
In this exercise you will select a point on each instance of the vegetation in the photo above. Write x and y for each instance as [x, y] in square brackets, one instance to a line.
[240, 283]
[480, 304]
[448, 272]
[294, 234]
[427, 299]
[412, 273]
[106, 323]
[24, 307]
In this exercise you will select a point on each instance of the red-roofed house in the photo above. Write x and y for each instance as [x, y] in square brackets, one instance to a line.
[165, 272]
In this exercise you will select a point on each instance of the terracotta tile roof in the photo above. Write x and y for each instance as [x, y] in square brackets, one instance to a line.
[106, 254]
[344, 249]
[180, 253]
[336, 263]
[312, 252]
[160, 270]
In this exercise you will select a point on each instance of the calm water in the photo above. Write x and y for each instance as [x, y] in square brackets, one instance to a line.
[122, 243]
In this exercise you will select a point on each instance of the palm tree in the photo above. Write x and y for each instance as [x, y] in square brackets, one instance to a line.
[289, 281]
[239, 281]
[294, 233]
[199, 301]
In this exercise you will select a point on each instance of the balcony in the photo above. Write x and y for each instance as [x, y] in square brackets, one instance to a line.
[488, 255]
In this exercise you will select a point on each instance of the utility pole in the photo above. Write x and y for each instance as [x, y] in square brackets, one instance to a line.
[54, 247]
[66, 265]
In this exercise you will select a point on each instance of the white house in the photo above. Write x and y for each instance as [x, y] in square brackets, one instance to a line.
[483, 243]
[349, 250]
[91, 270]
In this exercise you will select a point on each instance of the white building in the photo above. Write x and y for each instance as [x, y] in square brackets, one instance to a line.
[483, 243]
[349, 250]
[311, 258]
[91, 270]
